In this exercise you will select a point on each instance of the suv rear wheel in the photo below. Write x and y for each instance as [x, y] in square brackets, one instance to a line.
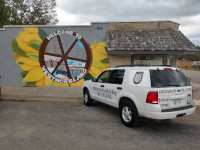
[87, 99]
[129, 114]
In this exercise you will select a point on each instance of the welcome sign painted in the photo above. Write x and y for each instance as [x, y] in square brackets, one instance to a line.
[61, 58]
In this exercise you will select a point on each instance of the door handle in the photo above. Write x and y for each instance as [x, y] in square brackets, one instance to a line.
[102, 85]
[119, 88]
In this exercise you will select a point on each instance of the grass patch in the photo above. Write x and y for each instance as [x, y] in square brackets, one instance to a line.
[192, 69]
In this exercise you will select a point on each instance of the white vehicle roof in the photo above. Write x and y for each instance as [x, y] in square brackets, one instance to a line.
[144, 67]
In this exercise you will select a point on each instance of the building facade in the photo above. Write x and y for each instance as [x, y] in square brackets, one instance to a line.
[68, 55]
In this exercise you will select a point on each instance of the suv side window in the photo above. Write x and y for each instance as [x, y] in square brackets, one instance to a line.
[116, 76]
[103, 77]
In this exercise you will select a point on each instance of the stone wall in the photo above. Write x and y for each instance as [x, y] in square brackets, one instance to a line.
[143, 25]
[189, 64]
[115, 60]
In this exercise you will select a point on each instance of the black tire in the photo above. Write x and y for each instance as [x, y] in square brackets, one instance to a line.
[87, 99]
[166, 120]
[128, 113]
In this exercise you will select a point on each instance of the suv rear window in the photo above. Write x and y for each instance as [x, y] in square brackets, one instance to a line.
[167, 78]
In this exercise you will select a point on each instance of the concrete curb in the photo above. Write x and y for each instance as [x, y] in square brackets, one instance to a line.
[52, 99]
[197, 102]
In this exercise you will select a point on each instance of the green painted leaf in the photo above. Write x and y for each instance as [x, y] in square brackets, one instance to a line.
[21, 63]
[88, 77]
[36, 45]
[33, 56]
[42, 34]
[30, 83]
[17, 50]
[53, 83]
[24, 73]
[106, 60]
[98, 64]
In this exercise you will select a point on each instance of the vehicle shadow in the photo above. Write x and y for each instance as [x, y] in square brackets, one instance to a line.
[182, 125]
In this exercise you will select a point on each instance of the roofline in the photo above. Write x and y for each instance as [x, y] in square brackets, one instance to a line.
[90, 24]
[173, 52]
[134, 22]
[48, 26]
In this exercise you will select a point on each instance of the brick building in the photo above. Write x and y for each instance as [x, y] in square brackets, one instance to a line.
[154, 43]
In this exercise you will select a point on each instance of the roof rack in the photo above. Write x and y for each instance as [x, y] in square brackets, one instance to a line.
[142, 65]
[138, 65]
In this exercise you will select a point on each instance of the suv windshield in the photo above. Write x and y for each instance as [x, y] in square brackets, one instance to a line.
[166, 78]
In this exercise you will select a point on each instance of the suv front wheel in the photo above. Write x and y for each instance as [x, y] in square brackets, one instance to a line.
[87, 99]
[128, 113]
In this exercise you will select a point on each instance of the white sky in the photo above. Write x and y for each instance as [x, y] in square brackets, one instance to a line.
[83, 12]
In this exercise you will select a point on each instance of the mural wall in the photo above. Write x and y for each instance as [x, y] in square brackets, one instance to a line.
[60, 58]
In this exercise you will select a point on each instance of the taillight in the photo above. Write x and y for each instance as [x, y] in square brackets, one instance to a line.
[167, 69]
[152, 98]
[192, 94]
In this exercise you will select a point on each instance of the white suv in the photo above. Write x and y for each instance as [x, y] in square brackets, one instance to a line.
[157, 92]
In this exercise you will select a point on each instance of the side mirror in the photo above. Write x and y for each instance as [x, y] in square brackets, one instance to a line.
[94, 80]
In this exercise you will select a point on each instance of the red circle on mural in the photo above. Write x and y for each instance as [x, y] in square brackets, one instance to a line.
[56, 66]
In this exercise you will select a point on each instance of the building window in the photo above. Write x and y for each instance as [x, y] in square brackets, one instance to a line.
[173, 60]
[99, 28]
[146, 60]
[51, 64]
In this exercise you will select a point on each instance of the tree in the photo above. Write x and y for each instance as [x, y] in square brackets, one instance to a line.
[5, 14]
[30, 12]
[198, 56]
[2, 6]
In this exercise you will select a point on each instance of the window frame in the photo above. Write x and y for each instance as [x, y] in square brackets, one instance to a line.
[154, 83]
[101, 74]
[111, 74]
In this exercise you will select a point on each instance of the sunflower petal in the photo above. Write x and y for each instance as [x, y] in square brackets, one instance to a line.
[15, 55]
[17, 50]
[25, 67]
[100, 47]
[33, 75]
[31, 29]
[29, 37]
[40, 82]
[99, 52]
[47, 81]
[24, 46]
[79, 83]
[95, 71]
[28, 62]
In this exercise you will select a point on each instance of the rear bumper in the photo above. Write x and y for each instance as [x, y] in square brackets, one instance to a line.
[168, 115]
